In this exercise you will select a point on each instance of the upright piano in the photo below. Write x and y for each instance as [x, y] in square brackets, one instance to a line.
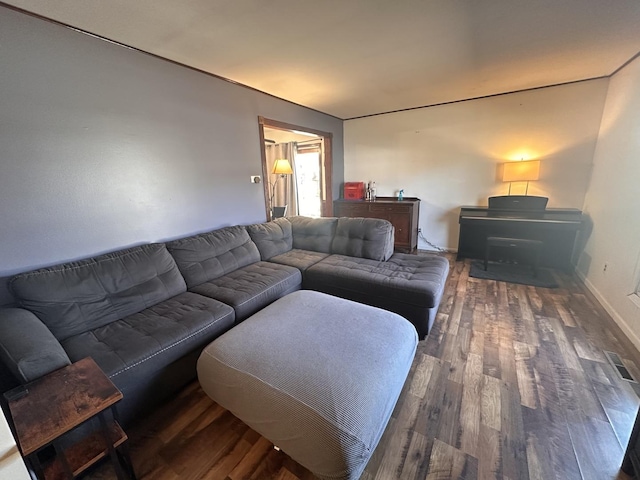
[519, 216]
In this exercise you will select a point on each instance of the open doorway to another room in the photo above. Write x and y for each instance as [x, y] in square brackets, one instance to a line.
[296, 164]
[308, 173]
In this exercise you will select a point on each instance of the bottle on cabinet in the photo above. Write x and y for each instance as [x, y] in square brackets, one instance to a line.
[371, 191]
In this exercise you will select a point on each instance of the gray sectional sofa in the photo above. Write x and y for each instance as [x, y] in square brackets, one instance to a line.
[145, 313]
[353, 258]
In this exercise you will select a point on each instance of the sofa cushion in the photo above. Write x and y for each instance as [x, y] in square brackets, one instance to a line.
[137, 346]
[364, 237]
[76, 297]
[214, 254]
[409, 285]
[272, 238]
[253, 287]
[412, 279]
[314, 234]
[300, 259]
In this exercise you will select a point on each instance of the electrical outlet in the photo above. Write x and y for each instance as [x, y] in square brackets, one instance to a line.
[255, 179]
[606, 265]
[419, 230]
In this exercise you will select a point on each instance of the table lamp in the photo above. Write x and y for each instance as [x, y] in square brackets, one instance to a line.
[523, 171]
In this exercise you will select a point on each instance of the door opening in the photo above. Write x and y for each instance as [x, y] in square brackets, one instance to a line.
[296, 167]
[308, 174]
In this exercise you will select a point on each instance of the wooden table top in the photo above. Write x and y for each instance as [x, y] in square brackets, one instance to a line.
[60, 401]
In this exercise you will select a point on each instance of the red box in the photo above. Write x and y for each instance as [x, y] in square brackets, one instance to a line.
[353, 190]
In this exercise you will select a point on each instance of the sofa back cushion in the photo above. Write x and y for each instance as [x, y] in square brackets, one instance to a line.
[76, 297]
[313, 233]
[211, 255]
[272, 238]
[364, 237]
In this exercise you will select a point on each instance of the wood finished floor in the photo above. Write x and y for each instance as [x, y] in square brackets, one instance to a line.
[511, 384]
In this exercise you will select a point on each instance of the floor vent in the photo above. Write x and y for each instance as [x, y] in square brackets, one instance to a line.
[618, 364]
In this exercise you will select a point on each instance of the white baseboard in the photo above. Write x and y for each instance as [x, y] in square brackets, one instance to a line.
[610, 310]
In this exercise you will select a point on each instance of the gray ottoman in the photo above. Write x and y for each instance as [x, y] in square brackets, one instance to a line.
[318, 376]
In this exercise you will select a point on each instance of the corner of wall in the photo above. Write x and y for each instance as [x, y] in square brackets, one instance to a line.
[635, 339]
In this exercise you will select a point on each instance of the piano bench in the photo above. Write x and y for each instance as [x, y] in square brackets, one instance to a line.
[532, 246]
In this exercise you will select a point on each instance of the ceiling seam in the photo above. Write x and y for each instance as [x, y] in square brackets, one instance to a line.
[479, 98]
[625, 64]
[219, 77]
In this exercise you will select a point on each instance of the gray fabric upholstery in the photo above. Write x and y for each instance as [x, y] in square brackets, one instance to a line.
[27, 347]
[80, 296]
[300, 259]
[316, 375]
[364, 237]
[225, 265]
[212, 255]
[314, 234]
[168, 329]
[272, 238]
[253, 287]
[135, 350]
[410, 285]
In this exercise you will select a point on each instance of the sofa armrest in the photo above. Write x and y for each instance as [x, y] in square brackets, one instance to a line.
[27, 347]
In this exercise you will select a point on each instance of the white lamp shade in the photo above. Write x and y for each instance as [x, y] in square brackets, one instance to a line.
[521, 171]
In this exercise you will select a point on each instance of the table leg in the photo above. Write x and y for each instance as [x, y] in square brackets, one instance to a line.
[124, 448]
[63, 458]
[112, 451]
[126, 460]
[33, 463]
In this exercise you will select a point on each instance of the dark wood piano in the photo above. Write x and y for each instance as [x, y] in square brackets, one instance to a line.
[520, 217]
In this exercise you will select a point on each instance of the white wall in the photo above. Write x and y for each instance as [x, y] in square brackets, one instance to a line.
[448, 155]
[103, 147]
[11, 463]
[613, 203]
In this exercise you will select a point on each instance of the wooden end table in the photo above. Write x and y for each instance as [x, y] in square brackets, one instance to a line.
[44, 410]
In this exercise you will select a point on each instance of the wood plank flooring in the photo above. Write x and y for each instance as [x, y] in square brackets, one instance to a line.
[511, 384]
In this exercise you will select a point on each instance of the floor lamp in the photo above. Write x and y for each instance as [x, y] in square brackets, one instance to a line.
[282, 168]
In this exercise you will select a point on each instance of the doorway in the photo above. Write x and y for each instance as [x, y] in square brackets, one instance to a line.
[304, 187]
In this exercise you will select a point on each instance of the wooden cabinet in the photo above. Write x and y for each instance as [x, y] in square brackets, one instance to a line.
[403, 215]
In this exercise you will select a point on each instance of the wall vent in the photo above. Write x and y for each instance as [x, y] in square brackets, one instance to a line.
[618, 365]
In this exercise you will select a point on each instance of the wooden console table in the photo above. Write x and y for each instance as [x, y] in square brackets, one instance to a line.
[403, 215]
[44, 410]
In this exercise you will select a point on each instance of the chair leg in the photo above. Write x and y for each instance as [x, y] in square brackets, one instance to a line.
[486, 257]
[536, 260]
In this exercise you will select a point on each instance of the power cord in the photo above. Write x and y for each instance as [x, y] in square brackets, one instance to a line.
[439, 249]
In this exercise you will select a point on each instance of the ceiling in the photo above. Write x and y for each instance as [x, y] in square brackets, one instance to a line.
[352, 58]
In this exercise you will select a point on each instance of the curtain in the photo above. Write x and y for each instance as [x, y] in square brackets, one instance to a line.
[282, 190]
